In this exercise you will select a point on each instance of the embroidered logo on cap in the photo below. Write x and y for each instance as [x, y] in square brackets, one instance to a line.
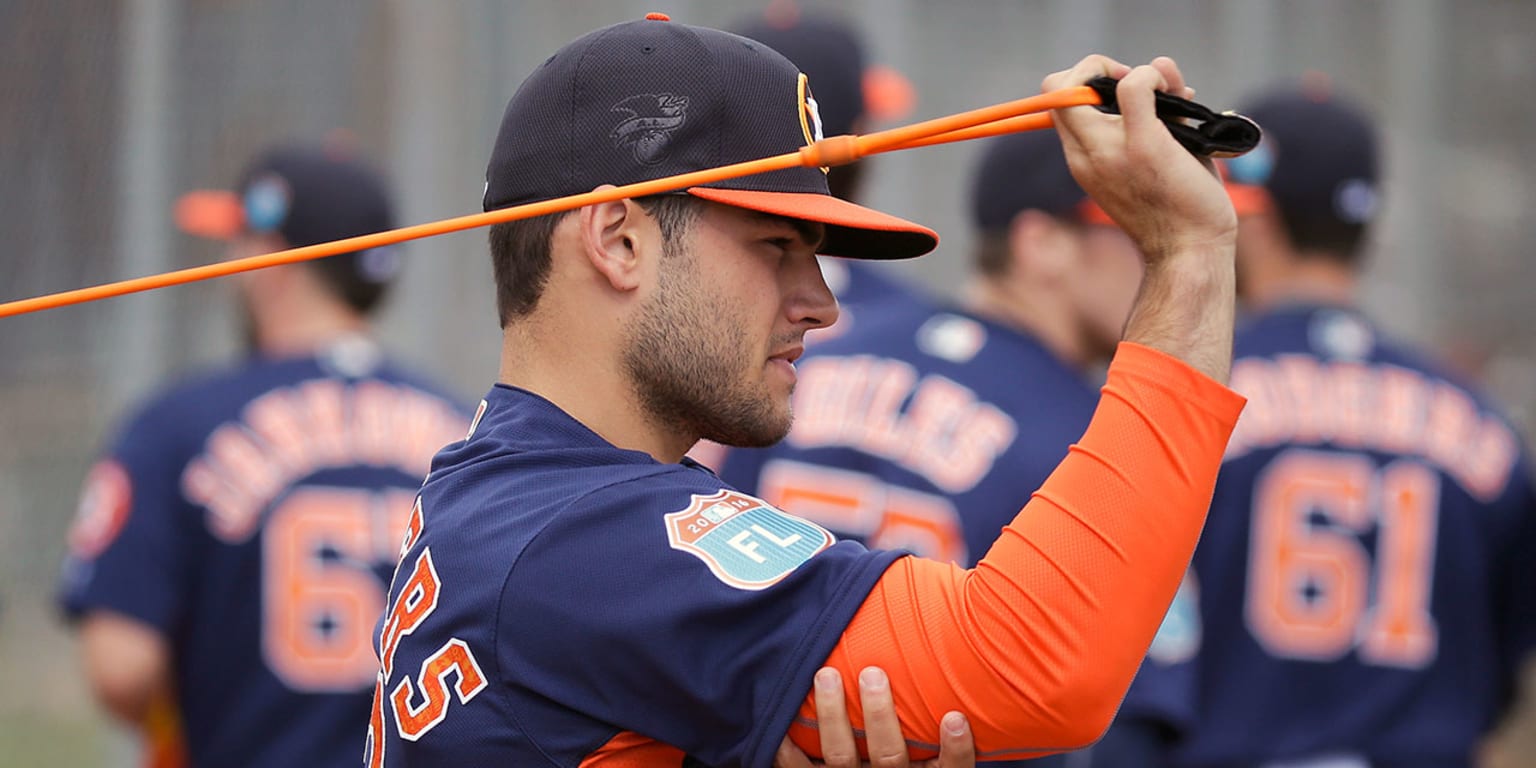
[810, 114]
[648, 129]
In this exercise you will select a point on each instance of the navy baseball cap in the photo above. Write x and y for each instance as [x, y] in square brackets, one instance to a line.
[1318, 159]
[648, 99]
[1026, 171]
[306, 195]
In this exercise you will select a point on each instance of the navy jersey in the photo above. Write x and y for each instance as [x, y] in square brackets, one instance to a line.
[563, 602]
[1364, 579]
[252, 517]
[920, 429]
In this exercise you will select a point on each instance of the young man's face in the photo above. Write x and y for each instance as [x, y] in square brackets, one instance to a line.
[713, 349]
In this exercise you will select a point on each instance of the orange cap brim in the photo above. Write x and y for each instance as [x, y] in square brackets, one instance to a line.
[215, 214]
[852, 230]
[1249, 199]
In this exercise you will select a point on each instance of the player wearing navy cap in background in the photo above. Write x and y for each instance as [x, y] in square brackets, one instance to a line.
[1364, 580]
[234, 543]
[573, 592]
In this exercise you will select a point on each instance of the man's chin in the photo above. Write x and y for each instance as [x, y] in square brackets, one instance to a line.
[756, 435]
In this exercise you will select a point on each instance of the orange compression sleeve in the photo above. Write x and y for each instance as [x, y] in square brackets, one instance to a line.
[1038, 643]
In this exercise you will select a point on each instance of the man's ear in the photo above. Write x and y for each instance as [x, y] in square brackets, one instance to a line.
[1039, 244]
[618, 239]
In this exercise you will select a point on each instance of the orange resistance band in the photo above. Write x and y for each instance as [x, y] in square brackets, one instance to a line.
[1007, 117]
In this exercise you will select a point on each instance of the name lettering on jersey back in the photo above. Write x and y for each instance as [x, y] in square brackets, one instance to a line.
[290, 433]
[933, 426]
[1370, 406]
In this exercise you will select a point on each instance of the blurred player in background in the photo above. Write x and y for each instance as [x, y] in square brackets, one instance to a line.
[234, 543]
[850, 95]
[1364, 579]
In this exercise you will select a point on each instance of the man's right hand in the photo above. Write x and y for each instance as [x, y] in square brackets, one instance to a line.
[1168, 201]
[1165, 198]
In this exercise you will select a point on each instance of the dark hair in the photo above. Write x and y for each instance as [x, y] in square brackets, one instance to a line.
[520, 257]
[341, 275]
[1324, 233]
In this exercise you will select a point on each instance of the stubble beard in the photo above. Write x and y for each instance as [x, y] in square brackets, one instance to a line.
[692, 366]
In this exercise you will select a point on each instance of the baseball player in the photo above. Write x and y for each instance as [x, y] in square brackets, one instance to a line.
[234, 543]
[572, 592]
[1363, 584]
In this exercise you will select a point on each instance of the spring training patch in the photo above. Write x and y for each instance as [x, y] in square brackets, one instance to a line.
[747, 543]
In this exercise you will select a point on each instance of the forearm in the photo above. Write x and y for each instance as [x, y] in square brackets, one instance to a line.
[1038, 643]
[1186, 307]
[127, 664]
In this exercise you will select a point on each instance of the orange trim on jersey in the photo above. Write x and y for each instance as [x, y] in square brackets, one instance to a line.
[628, 749]
[164, 744]
[1038, 643]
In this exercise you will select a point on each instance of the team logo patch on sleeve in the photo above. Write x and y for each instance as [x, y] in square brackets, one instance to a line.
[104, 507]
[747, 543]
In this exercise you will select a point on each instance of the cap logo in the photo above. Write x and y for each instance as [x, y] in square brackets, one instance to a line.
[648, 129]
[810, 114]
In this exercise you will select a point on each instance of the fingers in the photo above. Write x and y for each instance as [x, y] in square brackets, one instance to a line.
[1090, 67]
[790, 756]
[957, 747]
[1138, 104]
[838, 747]
[882, 728]
[1078, 126]
[1169, 69]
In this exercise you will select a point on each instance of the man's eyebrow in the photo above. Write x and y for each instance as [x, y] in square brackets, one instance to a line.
[813, 233]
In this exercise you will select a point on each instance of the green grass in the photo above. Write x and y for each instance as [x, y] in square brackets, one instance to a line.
[42, 741]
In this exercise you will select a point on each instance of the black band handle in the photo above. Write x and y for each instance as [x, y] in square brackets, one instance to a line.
[1202, 130]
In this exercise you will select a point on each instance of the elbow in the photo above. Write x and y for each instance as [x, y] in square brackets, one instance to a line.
[126, 698]
[1084, 703]
[127, 664]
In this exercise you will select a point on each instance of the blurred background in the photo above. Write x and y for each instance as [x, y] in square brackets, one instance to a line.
[109, 110]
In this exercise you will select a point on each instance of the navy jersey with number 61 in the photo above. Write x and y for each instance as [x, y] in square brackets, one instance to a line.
[1364, 577]
[251, 518]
